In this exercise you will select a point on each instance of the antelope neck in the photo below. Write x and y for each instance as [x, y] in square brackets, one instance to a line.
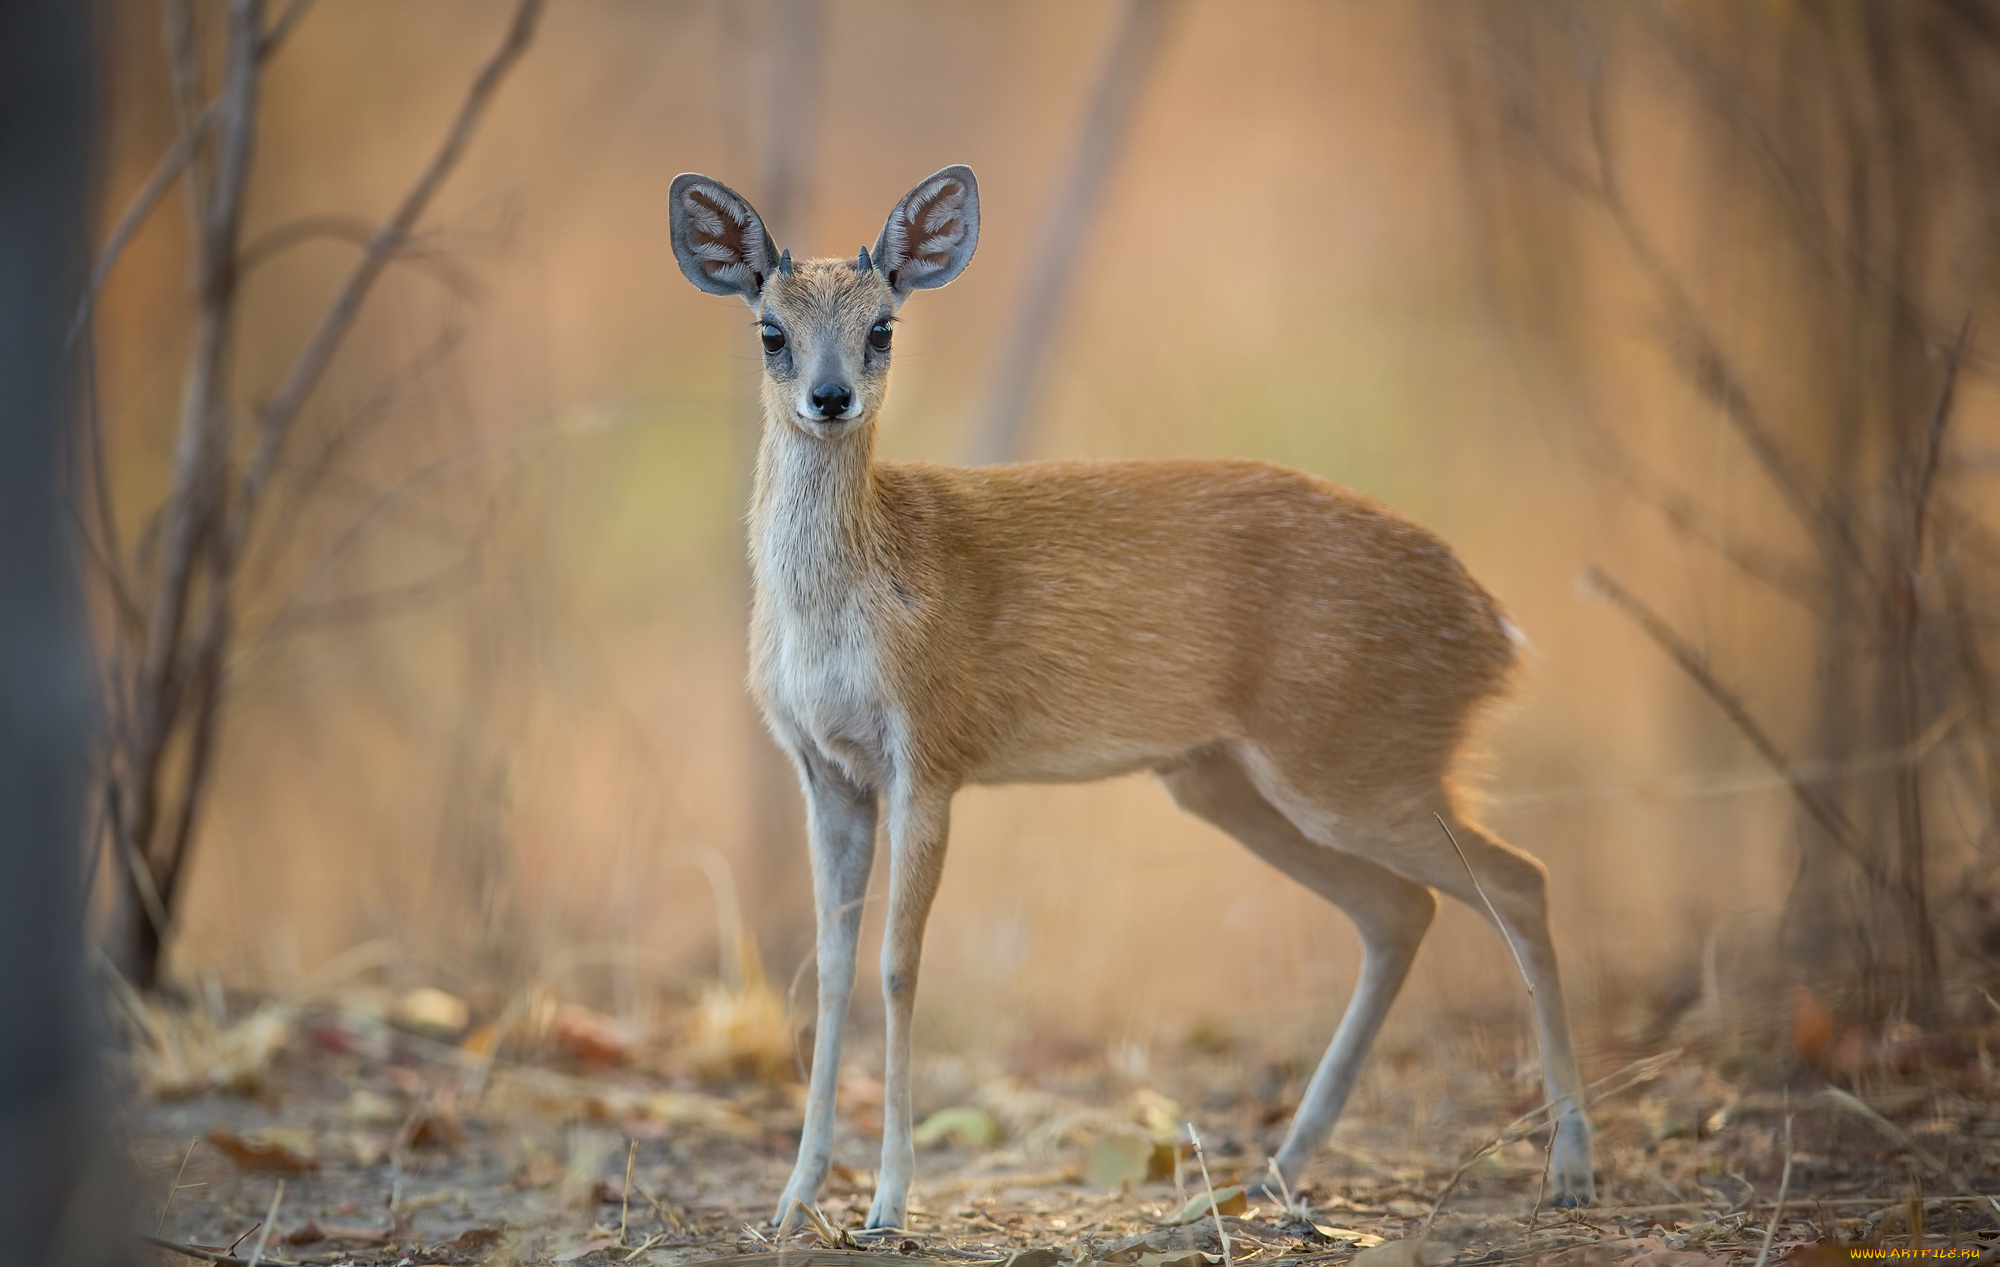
[814, 516]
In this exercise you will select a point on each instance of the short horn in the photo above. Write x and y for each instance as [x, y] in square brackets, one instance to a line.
[862, 265]
[785, 263]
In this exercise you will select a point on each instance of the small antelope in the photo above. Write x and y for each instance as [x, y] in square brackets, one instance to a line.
[1297, 663]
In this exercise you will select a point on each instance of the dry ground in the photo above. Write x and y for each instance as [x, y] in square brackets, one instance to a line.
[396, 1147]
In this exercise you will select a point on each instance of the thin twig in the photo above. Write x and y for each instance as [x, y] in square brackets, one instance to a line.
[1699, 354]
[304, 375]
[278, 30]
[355, 231]
[1920, 500]
[665, 1213]
[1521, 966]
[184, 83]
[1685, 516]
[194, 509]
[1220, 1231]
[165, 171]
[1127, 64]
[175, 1191]
[625, 1200]
[1822, 810]
[1506, 934]
[319, 467]
[306, 593]
[1894, 1133]
[1784, 1190]
[270, 1225]
[105, 549]
[210, 1255]
[1695, 665]
[1604, 1088]
[1814, 225]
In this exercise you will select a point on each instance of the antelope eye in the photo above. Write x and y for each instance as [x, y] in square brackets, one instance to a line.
[878, 336]
[774, 338]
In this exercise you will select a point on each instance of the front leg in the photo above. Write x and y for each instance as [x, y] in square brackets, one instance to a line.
[919, 820]
[841, 821]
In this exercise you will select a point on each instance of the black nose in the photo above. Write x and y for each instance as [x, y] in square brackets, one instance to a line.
[832, 399]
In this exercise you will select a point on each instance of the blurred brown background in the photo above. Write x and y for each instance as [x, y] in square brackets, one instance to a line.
[485, 698]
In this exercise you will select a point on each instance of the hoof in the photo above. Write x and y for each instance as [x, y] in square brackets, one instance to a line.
[1568, 1201]
[885, 1218]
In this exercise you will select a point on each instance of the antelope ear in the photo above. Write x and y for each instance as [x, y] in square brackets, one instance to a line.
[719, 239]
[931, 234]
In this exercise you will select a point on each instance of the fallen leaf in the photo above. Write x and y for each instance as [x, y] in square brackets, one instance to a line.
[1362, 1240]
[435, 1128]
[482, 1042]
[1409, 1252]
[1118, 1157]
[1170, 1243]
[476, 1240]
[271, 1151]
[592, 1039]
[1229, 1200]
[1653, 1251]
[371, 1108]
[345, 1235]
[306, 1233]
[586, 1249]
[1158, 1114]
[431, 1012]
[706, 1112]
[1812, 1025]
[539, 1173]
[368, 1148]
[351, 1034]
[965, 1125]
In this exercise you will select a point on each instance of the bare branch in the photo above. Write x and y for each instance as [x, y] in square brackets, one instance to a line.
[1133, 52]
[184, 83]
[164, 172]
[355, 231]
[282, 27]
[105, 549]
[1920, 498]
[1695, 665]
[312, 361]
[192, 515]
[387, 504]
[391, 600]
[1696, 351]
[205, 686]
[1699, 355]
[1807, 211]
[319, 466]
[1981, 682]
[1685, 516]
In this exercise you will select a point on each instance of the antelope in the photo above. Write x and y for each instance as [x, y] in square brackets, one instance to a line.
[1297, 663]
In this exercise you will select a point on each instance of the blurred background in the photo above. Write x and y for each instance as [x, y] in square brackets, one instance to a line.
[441, 646]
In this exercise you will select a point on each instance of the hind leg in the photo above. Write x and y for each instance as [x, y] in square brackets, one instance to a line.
[1517, 887]
[1391, 913]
